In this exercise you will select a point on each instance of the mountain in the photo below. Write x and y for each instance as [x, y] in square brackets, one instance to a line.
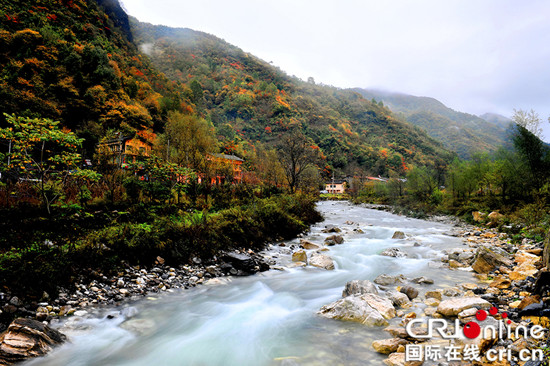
[497, 119]
[463, 133]
[90, 66]
[248, 99]
[75, 61]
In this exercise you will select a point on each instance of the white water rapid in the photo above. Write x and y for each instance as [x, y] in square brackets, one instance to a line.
[269, 318]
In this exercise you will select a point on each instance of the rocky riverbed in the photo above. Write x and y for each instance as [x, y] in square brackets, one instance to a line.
[506, 290]
[505, 277]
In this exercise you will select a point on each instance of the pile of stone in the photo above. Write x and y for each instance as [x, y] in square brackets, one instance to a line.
[131, 283]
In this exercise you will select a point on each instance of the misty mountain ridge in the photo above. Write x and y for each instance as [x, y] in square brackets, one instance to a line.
[463, 133]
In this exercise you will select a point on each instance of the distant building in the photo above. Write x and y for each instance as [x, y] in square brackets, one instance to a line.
[336, 187]
[127, 149]
[226, 167]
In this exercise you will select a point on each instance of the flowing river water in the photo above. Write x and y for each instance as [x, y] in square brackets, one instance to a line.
[269, 318]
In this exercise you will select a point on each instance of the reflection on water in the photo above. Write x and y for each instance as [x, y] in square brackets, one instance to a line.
[269, 318]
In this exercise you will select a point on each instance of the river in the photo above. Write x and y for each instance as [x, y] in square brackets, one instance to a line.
[269, 318]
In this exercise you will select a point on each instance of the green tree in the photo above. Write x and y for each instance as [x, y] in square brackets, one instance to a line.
[42, 154]
[188, 141]
[296, 154]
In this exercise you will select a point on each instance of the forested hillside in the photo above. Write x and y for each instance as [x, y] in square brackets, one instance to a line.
[79, 62]
[70, 61]
[461, 132]
[249, 100]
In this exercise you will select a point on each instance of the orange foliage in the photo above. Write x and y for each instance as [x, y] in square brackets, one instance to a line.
[282, 102]
[403, 165]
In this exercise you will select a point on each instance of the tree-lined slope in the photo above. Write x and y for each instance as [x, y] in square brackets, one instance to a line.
[461, 132]
[70, 61]
[248, 99]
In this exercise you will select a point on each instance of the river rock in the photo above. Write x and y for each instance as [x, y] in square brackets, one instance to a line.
[523, 271]
[479, 216]
[387, 346]
[355, 309]
[528, 300]
[501, 283]
[381, 304]
[386, 280]
[523, 256]
[453, 307]
[299, 256]
[27, 338]
[398, 235]
[410, 291]
[321, 261]
[393, 252]
[334, 239]
[495, 217]
[395, 359]
[487, 259]
[359, 287]
[436, 294]
[140, 327]
[423, 281]
[306, 244]
[245, 262]
[331, 229]
[399, 299]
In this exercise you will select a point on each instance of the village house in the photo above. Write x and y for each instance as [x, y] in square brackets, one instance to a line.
[226, 166]
[128, 149]
[336, 186]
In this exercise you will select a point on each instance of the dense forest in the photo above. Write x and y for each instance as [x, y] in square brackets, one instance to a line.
[462, 133]
[249, 100]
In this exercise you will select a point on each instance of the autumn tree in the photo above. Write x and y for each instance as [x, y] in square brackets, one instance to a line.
[296, 154]
[188, 141]
[42, 154]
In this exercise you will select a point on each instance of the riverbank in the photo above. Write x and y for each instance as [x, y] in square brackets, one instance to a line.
[129, 254]
[508, 280]
[296, 291]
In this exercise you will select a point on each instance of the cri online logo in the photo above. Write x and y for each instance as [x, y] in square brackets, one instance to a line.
[473, 330]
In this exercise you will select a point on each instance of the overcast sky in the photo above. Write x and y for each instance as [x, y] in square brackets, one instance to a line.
[475, 56]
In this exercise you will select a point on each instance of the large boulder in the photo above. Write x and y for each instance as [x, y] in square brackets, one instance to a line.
[386, 280]
[399, 299]
[495, 217]
[387, 346]
[381, 304]
[299, 256]
[306, 244]
[488, 259]
[354, 309]
[453, 307]
[398, 235]
[334, 239]
[321, 261]
[410, 291]
[479, 216]
[245, 262]
[27, 338]
[359, 288]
